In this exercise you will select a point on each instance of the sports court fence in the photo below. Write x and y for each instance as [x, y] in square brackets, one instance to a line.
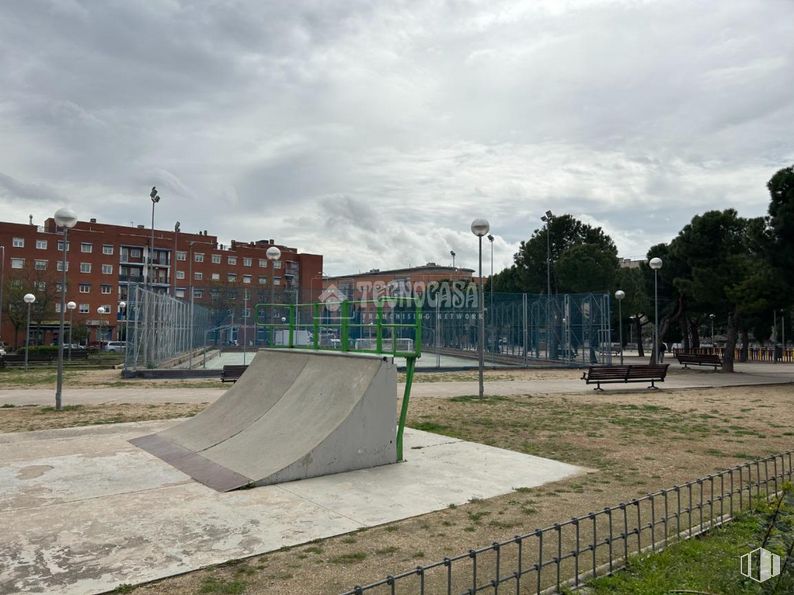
[159, 328]
[571, 552]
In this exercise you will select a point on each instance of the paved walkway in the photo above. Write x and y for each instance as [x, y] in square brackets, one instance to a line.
[83, 511]
[571, 383]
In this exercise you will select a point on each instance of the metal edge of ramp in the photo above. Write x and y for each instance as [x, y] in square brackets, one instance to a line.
[201, 469]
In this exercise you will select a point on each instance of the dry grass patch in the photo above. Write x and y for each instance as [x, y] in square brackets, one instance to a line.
[30, 418]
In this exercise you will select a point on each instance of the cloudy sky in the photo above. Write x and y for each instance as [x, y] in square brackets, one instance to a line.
[373, 132]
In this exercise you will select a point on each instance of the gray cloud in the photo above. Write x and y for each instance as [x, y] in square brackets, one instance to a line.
[374, 132]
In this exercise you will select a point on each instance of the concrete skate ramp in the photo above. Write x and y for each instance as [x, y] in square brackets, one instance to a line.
[291, 415]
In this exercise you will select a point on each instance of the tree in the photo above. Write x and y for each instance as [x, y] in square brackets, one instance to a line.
[584, 258]
[781, 219]
[722, 268]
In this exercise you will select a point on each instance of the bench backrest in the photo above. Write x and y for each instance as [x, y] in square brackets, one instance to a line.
[697, 358]
[607, 373]
[648, 371]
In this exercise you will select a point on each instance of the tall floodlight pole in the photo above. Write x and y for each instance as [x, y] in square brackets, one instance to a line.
[173, 263]
[29, 299]
[273, 255]
[547, 220]
[452, 254]
[713, 347]
[148, 285]
[65, 218]
[70, 306]
[619, 295]
[2, 283]
[481, 227]
[655, 264]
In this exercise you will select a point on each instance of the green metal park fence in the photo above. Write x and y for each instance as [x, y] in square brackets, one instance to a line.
[568, 553]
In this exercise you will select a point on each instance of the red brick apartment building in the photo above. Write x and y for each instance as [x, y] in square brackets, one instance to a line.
[409, 281]
[103, 260]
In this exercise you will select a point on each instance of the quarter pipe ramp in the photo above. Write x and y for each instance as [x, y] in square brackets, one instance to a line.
[291, 415]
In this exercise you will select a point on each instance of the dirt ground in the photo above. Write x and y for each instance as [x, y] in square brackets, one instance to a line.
[635, 442]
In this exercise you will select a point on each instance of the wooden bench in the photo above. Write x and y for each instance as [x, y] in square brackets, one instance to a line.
[599, 375]
[697, 359]
[231, 373]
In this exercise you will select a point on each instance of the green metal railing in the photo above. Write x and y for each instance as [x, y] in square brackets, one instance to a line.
[339, 326]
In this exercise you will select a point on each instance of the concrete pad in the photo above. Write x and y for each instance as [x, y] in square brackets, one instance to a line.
[83, 511]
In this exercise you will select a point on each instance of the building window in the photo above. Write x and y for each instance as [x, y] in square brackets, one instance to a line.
[59, 266]
[198, 293]
[263, 280]
[107, 249]
[231, 278]
[231, 260]
[263, 263]
[134, 253]
[276, 280]
[246, 312]
[198, 275]
[216, 259]
[85, 267]
[247, 278]
[60, 246]
[41, 265]
[198, 257]
[85, 288]
[107, 269]
[17, 263]
[83, 309]
[180, 293]
[180, 274]
[57, 307]
[276, 264]
[181, 255]
[18, 242]
[216, 276]
[59, 288]
[247, 262]
[86, 247]
[41, 244]
[40, 285]
[106, 289]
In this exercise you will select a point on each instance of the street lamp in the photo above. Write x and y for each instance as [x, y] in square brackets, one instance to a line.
[655, 264]
[712, 317]
[101, 311]
[28, 298]
[273, 255]
[547, 220]
[67, 219]
[490, 283]
[70, 306]
[121, 314]
[619, 295]
[480, 227]
[452, 254]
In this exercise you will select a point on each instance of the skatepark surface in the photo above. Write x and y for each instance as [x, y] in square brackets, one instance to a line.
[84, 511]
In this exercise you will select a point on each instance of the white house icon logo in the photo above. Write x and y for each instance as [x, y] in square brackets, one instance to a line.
[760, 565]
[331, 297]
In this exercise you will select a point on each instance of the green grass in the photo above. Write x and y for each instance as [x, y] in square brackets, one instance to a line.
[212, 584]
[709, 563]
[349, 558]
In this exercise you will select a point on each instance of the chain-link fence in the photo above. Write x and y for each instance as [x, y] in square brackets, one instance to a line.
[520, 329]
[523, 329]
[159, 328]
